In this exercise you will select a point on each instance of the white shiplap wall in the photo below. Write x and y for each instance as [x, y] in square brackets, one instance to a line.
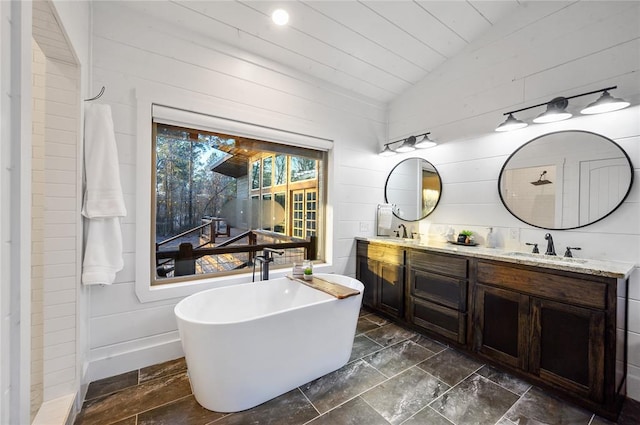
[136, 53]
[580, 47]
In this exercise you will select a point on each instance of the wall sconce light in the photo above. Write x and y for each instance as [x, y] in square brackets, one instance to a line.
[409, 144]
[556, 109]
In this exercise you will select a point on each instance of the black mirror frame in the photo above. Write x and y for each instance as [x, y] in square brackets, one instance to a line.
[502, 170]
[386, 198]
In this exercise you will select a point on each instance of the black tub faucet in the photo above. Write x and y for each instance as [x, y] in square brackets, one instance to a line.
[551, 250]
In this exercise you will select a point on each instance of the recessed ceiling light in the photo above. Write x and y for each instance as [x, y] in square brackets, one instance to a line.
[280, 17]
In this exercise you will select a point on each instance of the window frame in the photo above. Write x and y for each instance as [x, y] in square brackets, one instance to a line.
[196, 113]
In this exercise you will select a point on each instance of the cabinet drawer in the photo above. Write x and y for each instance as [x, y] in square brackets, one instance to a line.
[442, 320]
[440, 289]
[436, 263]
[385, 253]
[545, 284]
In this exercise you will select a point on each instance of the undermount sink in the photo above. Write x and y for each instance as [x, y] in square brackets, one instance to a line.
[543, 257]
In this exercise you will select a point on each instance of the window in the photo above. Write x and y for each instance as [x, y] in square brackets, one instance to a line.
[217, 196]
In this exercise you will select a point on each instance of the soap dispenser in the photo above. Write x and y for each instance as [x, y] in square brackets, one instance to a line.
[491, 238]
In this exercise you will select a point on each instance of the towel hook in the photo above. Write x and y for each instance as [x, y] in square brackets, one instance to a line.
[96, 97]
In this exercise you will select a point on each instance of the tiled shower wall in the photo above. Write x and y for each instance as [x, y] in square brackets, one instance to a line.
[37, 228]
[61, 229]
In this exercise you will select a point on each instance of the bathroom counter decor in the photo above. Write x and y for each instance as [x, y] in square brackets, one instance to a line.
[463, 243]
[332, 288]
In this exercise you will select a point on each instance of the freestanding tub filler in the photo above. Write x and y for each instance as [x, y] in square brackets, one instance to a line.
[248, 343]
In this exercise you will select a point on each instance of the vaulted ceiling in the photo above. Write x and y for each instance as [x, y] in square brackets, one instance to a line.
[377, 49]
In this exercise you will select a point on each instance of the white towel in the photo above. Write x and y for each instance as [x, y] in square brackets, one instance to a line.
[103, 192]
[385, 215]
[103, 201]
[103, 251]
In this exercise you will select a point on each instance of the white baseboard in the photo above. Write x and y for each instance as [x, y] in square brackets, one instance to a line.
[125, 357]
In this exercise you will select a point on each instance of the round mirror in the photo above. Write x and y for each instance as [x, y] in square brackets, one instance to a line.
[565, 180]
[414, 188]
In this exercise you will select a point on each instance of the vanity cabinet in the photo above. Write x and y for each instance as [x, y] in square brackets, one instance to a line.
[438, 287]
[557, 327]
[381, 270]
[561, 327]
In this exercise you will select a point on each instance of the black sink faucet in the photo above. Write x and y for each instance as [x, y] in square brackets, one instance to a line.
[551, 250]
[404, 230]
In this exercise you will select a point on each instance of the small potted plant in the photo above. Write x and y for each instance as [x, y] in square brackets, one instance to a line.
[465, 236]
[308, 273]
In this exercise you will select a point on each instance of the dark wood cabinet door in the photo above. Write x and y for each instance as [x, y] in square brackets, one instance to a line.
[501, 325]
[391, 289]
[366, 272]
[568, 347]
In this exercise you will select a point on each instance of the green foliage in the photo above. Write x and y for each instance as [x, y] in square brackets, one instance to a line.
[466, 233]
[186, 188]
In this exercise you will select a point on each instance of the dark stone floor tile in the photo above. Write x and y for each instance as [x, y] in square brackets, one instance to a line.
[110, 385]
[365, 325]
[476, 400]
[405, 394]
[429, 344]
[163, 369]
[390, 334]
[427, 416]
[505, 421]
[291, 408]
[132, 400]
[396, 358]
[510, 382]
[185, 411]
[129, 421]
[363, 346]
[537, 407]
[378, 320]
[353, 412]
[597, 420]
[450, 366]
[630, 413]
[337, 387]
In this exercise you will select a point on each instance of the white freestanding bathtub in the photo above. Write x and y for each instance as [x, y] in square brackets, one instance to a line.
[248, 343]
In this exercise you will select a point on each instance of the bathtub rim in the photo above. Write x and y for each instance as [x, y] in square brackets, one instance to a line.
[329, 298]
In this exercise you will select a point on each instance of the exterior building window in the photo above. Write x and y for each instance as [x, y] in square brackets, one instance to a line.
[219, 196]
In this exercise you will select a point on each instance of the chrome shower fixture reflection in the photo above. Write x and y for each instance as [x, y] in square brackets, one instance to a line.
[411, 143]
[557, 109]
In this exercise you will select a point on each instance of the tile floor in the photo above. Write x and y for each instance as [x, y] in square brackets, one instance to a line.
[395, 376]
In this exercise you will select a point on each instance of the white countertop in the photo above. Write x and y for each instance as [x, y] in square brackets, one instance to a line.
[604, 268]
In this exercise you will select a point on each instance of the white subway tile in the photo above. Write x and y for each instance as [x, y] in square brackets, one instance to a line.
[60, 350]
[59, 310]
[66, 296]
[59, 337]
[59, 270]
[634, 316]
